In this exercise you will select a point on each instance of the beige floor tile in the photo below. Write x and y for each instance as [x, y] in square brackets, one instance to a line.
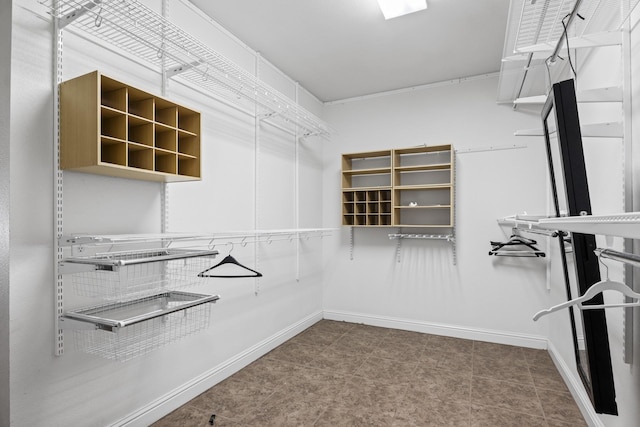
[415, 411]
[354, 344]
[449, 344]
[281, 410]
[498, 351]
[332, 326]
[185, 416]
[429, 383]
[560, 407]
[367, 394]
[506, 395]
[546, 378]
[505, 369]
[386, 370]
[317, 338]
[232, 398]
[482, 416]
[334, 360]
[342, 374]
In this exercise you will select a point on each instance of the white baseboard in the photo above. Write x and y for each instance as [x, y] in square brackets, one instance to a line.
[575, 388]
[494, 336]
[180, 396]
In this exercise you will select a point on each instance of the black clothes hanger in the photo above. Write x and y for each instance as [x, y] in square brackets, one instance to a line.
[230, 260]
[516, 240]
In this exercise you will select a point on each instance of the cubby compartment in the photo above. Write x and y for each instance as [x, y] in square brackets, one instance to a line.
[188, 144]
[166, 161]
[113, 94]
[188, 120]
[113, 151]
[95, 110]
[141, 104]
[188, 166]
[166, 138]
[140, 131]
[140, 157]
[166, 113]
[114, 125]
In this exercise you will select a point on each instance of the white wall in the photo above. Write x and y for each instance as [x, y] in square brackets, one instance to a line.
[481, 297]
[252, 316]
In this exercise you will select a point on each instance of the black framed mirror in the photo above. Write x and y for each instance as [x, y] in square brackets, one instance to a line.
[570, 193]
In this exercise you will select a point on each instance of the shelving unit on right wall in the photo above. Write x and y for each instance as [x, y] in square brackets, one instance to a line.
[407, 187]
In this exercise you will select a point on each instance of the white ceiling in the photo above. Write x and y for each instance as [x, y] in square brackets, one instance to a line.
[339, 49]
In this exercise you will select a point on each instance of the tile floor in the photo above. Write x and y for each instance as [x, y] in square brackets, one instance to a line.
[344, 374]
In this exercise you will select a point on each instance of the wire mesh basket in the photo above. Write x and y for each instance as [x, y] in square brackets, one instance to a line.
[125, 275]
[122, 331]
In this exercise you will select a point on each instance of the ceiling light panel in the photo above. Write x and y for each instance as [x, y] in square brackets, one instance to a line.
[394, 8]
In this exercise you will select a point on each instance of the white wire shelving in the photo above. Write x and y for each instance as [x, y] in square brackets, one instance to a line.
[142, 33]
[625, 225]
[535, 31]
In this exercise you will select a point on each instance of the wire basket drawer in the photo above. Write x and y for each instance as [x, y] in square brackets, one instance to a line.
[125, 275]
[122, 331]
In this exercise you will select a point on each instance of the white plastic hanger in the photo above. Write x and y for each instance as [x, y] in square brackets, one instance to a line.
[595, 289]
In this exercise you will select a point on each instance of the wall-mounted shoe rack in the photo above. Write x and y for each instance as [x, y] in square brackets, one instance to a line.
[110, 128]
[142, 33]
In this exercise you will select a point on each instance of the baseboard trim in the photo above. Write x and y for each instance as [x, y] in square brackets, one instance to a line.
[178, 397]
[494, 336]
[575, 388]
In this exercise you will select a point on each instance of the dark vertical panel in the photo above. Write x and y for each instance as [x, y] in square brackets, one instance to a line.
[601, 385]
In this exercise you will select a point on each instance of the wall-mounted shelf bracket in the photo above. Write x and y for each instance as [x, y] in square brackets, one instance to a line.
[67, 19]
[174, 71]
[400, 236]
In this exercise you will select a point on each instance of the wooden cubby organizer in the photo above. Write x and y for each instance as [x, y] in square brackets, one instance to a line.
[110, 128]
[409, 187]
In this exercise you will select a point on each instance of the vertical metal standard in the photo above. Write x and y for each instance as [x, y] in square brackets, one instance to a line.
[297, 190]
[57, 181]
[398, 245]
[164, 191]
[351, 242]
[256, 170]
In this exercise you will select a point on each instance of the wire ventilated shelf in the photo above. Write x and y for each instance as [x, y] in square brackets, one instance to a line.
[122, 331]
[141, 32]
[125, 275]
[539, 23]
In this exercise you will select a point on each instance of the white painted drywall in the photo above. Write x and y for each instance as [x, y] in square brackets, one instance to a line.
[252, 316]
[481, 295]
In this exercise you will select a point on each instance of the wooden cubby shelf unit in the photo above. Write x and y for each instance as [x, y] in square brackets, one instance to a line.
[110, 128]
[409, 187]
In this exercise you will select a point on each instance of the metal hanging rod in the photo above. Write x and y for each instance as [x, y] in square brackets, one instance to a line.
[447, 237]
[144, 34]
[624, 257]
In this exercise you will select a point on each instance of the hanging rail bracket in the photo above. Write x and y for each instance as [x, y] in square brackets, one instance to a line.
[77, 13]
